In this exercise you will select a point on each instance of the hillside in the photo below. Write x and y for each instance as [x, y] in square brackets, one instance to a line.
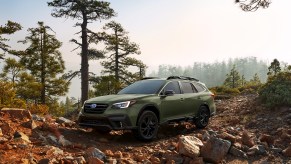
[243, 131]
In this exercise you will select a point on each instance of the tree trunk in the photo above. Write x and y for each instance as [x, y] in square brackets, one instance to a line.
[42, 53]
[84, 62]
[116, 57]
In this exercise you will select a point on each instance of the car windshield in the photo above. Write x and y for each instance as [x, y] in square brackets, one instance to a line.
[143, 87]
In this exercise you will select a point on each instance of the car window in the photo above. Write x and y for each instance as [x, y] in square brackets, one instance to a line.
[199, 87]
[187, 87]
[143, 87]
[174, 86]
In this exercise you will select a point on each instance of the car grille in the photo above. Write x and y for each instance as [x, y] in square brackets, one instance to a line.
[95, 108]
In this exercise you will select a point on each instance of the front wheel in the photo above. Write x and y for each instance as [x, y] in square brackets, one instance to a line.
[202, 117]
[147, 126]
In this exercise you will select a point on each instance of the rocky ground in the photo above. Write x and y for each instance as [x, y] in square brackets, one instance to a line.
[243, 131]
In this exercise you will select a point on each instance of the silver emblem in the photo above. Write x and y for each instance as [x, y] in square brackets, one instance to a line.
[93, 105]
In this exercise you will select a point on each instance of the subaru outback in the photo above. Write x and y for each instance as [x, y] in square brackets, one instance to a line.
[148, 103]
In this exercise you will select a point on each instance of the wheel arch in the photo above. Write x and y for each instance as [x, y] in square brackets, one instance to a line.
[150, 107]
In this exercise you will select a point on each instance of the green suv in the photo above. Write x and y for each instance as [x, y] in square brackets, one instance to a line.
[148, 103]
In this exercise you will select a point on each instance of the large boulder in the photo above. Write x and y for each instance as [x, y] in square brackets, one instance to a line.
[16, 113]
[215, 149]
[92, 153]
[64, 121]
[189, 146]
[247, 139]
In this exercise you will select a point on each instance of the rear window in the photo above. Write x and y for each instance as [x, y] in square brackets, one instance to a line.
[187, 87]
[143, 87]
[199, 87]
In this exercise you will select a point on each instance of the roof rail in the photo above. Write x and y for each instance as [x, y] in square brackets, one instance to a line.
[182, 78]
[146, 78]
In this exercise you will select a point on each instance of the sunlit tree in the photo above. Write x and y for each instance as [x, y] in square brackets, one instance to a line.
[233, 78]
[86, 11]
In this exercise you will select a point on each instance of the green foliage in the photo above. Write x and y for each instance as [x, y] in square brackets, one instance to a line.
[106, 85]
[43, 59]
[9, 28]
[274, 68]
[11, 70]
[86, 11]
[233, 79]
[277, 91]
[119, 47]
[8, 97]
[222, 90]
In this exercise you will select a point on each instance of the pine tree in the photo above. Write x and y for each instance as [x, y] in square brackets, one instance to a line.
[43, 59]
[233, 78]
[256, 80]
[8, 29]
[87, 11]
[119, 47]
[274, 68]
[11, 70]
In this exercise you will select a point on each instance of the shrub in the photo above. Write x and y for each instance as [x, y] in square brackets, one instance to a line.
[222, 90]
[277, 91]
[38, 109]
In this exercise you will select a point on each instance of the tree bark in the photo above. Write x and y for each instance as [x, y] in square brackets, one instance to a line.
[84, 61]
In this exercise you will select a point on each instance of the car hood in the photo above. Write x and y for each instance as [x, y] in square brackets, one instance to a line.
[117, 98]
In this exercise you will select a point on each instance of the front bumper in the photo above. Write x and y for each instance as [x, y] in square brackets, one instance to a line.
[108, 122]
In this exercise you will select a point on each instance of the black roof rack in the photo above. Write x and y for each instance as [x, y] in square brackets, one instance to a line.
[182, 78]
[146, 78]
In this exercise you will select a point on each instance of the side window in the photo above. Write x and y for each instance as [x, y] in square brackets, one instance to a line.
[174, 86]
[187, 87]
[199, 87]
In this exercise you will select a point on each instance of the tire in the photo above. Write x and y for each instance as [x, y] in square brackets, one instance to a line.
[147, 126]
[202, 117]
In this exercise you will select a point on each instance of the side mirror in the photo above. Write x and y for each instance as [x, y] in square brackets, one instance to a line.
[169, 93]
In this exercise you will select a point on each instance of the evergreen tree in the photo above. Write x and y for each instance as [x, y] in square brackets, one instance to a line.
[233, 78]
[9, 28]
[43, 59]
[119, 46]
[11, 70]
[256, 80]
[87, 11]
[274, 68]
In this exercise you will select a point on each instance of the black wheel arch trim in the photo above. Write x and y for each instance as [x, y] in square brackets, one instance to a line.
[146, 107]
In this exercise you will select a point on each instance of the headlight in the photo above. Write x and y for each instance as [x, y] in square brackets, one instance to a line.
[123, 105]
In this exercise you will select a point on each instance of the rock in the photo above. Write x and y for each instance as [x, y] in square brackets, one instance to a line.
[3, 140]
[109, 153]
[24, 161]
[54, 151]
[37, 118]
[94, 160]
[112, 161]
[80, 160]
[29, 124]
[189, 146]
[95, 153]
[267, 138]
[62, 141]
[118, 154]
[215, 149]
[206, 136]
[247, 140]
[47, 161]
[236, 152]
[53, 139]
[257, 150]
[139, 157]
[6, 128]
[276, 150]
[66, 122]
[227, 136]
[155, 160]
[198, 160]
[21, 136]
[287, 151]
[16, 113]
[1, 134]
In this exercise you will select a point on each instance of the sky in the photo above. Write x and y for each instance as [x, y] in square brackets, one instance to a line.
[170, 31]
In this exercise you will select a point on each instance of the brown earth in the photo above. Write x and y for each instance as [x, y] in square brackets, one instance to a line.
[262, 134]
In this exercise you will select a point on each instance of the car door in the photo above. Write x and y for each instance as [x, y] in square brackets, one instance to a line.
[191, 99]
[171, 104]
